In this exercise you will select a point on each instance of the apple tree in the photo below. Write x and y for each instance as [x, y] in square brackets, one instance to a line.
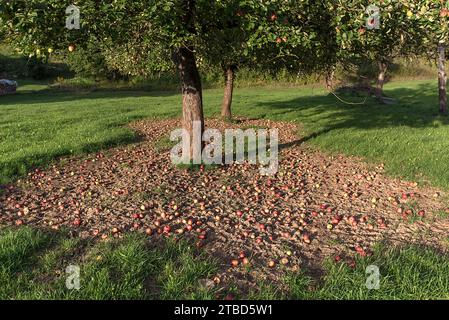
[434, 27]
[297, 35]
[171, 27]
[226, 45]
[379, 31]
[261, 35]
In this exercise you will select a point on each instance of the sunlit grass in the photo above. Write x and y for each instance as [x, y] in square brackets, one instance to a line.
[409, 137]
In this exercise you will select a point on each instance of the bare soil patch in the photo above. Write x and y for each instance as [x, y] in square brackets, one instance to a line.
[317, 206]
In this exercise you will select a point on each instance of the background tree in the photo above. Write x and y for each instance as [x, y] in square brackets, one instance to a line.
[170, 26]
[398, 33]
[295, 35]
[227, 45]
[435, 31]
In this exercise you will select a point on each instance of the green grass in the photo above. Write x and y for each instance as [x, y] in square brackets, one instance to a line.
[37, 128]
[410, 137]
[33, 266]
[410, 273]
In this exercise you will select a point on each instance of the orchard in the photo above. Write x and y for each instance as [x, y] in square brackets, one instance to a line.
[350, 96]
[301, 34]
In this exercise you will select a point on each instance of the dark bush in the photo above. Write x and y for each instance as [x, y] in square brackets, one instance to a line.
[90, 63]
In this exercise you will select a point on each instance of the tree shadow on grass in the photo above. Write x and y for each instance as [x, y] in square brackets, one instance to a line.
[54, 95]
[416, 108]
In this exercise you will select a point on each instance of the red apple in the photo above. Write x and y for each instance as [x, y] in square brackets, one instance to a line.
[306, 238]
[229, 297]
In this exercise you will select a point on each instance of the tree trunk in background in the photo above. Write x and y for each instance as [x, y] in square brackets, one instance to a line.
[229, 89]
[381, 79]
[442, 78]
[330, 79]
[192, 97]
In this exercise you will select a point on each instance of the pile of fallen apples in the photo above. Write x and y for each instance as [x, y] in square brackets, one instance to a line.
[316, 206]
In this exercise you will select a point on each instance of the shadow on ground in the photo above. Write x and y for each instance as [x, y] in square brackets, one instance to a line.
[416, 108]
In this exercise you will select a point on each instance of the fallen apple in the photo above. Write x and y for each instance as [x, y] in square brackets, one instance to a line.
[306, 238]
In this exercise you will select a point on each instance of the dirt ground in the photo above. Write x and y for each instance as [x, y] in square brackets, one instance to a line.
[317, 205]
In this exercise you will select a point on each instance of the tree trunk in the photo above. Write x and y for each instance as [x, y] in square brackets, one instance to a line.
[442, 79]
[192, 100]
[229, 89]
[381, 79]
[330, 79]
